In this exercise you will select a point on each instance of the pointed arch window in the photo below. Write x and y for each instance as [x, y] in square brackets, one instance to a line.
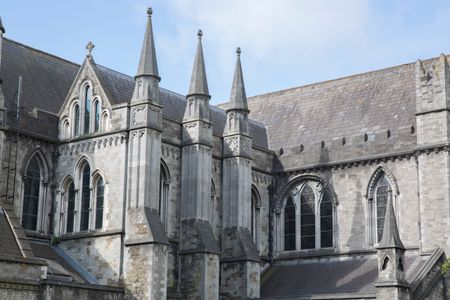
[212, 203]
[307, 218]
[382, 193]
[164, 181]
[289, 225]
[326, 221]
[310, 208]
[76, 120]
[99, 203]
[97, 112]
[70, 208]
[85, 197]
[32, 190]
[256, 202]
[87, 108]
[381, 188]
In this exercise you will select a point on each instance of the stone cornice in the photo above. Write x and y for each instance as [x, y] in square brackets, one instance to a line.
[367, 160]
[92, 144]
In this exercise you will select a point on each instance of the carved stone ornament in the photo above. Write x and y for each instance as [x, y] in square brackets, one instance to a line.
[138, 115]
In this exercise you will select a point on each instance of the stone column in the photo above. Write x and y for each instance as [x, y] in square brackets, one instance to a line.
[432, 118]
[240, 263]
[146, 243]
[199, 252]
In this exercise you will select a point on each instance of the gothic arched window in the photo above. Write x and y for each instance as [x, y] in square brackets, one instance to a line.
[381, 187]
[99, 202]
[97, 111]
[256, 203]
[310, 205]
[70, 208]
[326, 221]
[85, 197]
[76, 120]
[212, 204]
[289, 225]
[382, 192]
[164, 181]
[87, 108]
[307, 218]
[32, 190]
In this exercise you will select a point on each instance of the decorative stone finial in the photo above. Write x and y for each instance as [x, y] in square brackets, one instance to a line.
[238, 51]
[200, 34]
[149, 11]
[89, 48]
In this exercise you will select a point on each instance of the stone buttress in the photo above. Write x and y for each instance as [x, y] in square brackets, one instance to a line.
[146, 243]
[391, 284]
[433, 119]
[240, 262]
[199, 251]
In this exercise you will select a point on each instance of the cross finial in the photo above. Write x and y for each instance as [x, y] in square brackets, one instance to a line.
[89, 48]
[238, 51]
[149, 11]
[199, 34]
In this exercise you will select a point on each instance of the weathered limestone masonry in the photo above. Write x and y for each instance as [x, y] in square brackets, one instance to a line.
[146, 243]
[391, 282]
[432, 112]
[240, 263]
[199, 252]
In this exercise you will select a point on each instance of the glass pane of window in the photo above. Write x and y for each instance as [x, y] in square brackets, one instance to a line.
[70, 208]
[253, 214]
[326, 221]
[85, 198]
[97, 116]
[31, 195]
[76, 120]
[308, 218]
[289, 225]
[99, 204]
[382, 192]
[87, 108]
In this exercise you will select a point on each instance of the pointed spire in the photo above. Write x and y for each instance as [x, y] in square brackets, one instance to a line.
[147, 63]
[199, 83]
[238, 99]
[2, 28]
[391, 237]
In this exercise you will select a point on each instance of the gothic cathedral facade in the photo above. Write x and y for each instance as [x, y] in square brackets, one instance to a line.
[113, 187]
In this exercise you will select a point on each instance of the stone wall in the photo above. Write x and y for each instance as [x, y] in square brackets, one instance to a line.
[99, 255]
[50, 290]
[350, 184]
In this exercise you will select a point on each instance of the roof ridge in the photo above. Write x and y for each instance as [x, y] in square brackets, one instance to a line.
[339, 78]
[41, 51]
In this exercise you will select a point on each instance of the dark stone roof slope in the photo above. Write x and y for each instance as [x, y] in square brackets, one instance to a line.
[349, 276]
[58, 268]
[47, 80]
[345, 107]
[8, 243]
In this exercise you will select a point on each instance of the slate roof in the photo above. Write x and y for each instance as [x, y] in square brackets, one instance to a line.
[58, 268]
[345, 107]
[8, 243]
[47, 80]
[348, 276]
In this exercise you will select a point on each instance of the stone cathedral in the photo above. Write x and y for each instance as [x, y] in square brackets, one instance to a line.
[113, 187]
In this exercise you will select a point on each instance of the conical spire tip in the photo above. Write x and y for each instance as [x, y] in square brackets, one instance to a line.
[2, 28]
[238, 51]
[199, 34]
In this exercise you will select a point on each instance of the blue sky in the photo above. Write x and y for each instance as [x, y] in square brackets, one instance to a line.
[285, 43]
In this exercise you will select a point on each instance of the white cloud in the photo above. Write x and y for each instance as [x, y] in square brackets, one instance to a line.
[285, 42]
